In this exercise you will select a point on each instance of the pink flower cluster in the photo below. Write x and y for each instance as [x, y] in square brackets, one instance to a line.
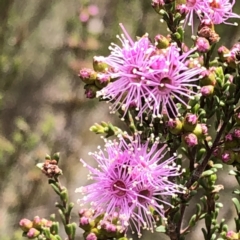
[147, 78]
[132, 179]
[217, 11]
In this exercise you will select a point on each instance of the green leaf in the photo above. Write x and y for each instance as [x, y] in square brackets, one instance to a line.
[64, 195]
[54, 228]
[232, 172]
[237, 192]
[58, 237]
[56, 156]
[207, 173]
[161, 229]
[199, 209]
[68, 229]
[218, 165]
[74, 227]
[55, 188]
[192, 221]
[70, 207]
[62, 216]
[47, 233]
[204, 233]
[40, 165]
[202, 216]
[236, 204]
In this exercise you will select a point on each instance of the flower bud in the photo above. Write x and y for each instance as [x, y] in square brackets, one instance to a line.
[237, 156]
[236, 133]
[223, 53]
[209, 34]
[190, 122]
[32, 233]
[25, 224]
[87, 75]
[111, 228]
[37, 222]
[90, 91]
[157, 5]
[91, 236]
[190, 139]
[229, 141]
[207, 91]
[231, 235]
[83, 221]
[182, 8]
[213, 178]
[161, 42]
[237, 118]
[217, 152]
[102, 80]
[204, 129]
[208, 77]
[86, 213]
[202, 45]
[93, 10]
[175, 126]
[235, 51]
[228, 157]
[46, 223]
[98, 64]
[198, 131]
[206, 22]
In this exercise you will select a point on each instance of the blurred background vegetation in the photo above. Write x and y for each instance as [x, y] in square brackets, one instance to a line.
[43, 44]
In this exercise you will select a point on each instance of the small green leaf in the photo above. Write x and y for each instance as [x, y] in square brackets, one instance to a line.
[62, 216]
[68, 229]
[202, 216]
[161, 229]
[64, 195]
[55, 188]
[232, 172]
[47, 233]
[192, 221]
[199, 209]
[56, 156]
[54, 228]
[58, 237]
[236, 204]
[207, 173]
[74, 227]
[40, 165]
[218, 166]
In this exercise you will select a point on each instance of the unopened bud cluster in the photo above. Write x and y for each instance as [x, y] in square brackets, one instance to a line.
[189, 128]
[230, 57]
[229, 152]
[98, 229]
[38, 227]
[96, 78]
[50, 166]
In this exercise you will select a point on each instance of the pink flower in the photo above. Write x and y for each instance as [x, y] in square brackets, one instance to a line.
[93, 10]
[192, 7]
[83, 16]
[150, 80]
[130, 179]
[221, 10]
[173, 83]
[129, 66]
[202, 44]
